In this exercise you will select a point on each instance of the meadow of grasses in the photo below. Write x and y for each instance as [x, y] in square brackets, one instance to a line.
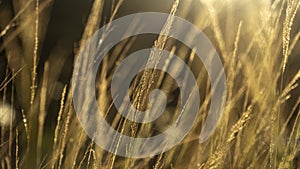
[257, 40]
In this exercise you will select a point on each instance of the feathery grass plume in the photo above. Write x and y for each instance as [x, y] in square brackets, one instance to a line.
[63, 140]
[35, 52]
[216, 26]
[158, 44]
[58, 127]
[148, 76]
[216, 160]
[26, 126]
[290, 86]
[17, 148]
[232, 64]
[291, 11]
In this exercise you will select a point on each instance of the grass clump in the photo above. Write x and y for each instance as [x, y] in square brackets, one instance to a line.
[258, 42]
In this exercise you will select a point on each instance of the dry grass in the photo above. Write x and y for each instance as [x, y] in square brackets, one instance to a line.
[258, 42]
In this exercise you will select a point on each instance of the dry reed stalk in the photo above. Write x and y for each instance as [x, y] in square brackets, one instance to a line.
[77, 149]
[11, 118]
[42, 114]
[9, 38]
[285, 125]
[116, 9]
[86, 153]
[7, 81]
[93, 21]
[11, 22]
[91, 150]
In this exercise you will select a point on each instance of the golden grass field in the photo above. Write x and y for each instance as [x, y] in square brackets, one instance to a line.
[257, 40]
